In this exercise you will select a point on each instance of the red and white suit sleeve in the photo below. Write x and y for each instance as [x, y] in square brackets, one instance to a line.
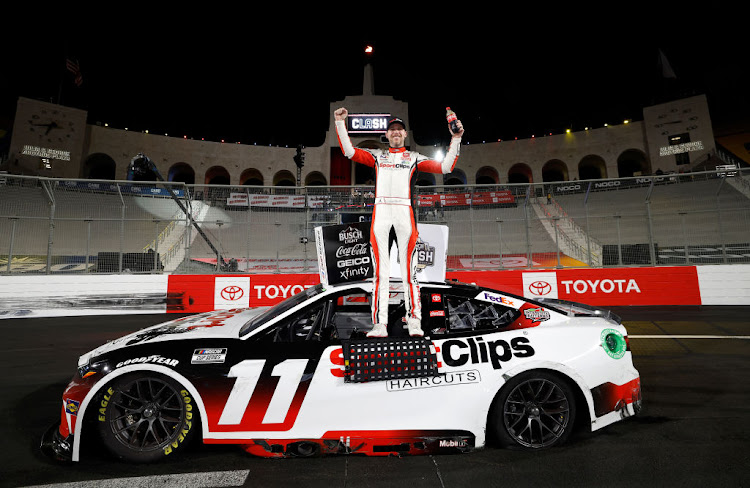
[355, 154]
[447, 164]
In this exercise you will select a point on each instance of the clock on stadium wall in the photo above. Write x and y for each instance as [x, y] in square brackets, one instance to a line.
[48, 137]
[50, 126]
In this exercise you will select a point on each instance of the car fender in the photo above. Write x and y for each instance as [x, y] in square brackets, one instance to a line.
[99, 385]
[566, 371]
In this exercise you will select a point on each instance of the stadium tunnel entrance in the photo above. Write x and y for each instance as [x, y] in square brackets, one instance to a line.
[182, 172]
[99, 166]
[520, 173]
[592, 167]
[554, 170]
[633, 163]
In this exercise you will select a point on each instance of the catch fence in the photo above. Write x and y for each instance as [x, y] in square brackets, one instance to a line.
[88, 226]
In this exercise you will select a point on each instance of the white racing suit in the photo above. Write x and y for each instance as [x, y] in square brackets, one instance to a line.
[395, 174]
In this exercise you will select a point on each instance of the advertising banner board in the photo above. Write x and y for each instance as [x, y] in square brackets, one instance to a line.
[344, 253]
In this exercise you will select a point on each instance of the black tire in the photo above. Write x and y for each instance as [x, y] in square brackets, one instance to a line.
[534, 410]
[145, 417]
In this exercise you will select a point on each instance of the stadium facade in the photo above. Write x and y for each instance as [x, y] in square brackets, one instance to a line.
[56, 141]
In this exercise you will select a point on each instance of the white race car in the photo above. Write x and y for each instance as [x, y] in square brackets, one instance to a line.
[301, 378]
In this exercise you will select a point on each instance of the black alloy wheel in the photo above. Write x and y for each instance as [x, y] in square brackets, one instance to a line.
[534, 410]
[144, 417]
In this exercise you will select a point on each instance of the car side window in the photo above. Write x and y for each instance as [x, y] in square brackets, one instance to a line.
[303, 326]
[465, 314]
[351, 316]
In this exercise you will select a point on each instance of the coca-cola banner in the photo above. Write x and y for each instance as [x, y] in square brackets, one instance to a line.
[344, 252]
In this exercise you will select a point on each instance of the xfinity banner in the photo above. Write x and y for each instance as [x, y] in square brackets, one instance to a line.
[344, 253]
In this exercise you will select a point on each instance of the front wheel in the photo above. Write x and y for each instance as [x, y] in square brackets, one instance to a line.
[143, 417]
[534, 410]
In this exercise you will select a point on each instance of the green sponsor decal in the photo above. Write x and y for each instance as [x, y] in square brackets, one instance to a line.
[613, 343]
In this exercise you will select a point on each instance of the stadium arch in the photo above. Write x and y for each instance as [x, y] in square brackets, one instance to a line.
[633, 162]
[99, 166]
[520, 173]
[316, 178]
[592, 167]
[554, 170]
[487, 175]
[284, 178]
[425, 179]
[217, 175]
[182, 172]
[251, 177]
[455, 177]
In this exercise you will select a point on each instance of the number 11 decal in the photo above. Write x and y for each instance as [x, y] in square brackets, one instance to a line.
[248, 373]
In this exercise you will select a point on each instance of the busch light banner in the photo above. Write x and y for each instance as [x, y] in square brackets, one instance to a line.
[344, 253]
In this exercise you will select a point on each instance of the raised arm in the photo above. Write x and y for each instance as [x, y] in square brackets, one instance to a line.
[451, 158]
[355, 154]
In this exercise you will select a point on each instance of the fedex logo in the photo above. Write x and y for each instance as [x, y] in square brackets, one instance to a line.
[487, 296]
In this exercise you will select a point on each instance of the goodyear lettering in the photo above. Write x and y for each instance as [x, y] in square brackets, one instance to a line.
[457, 352]
[186, 427]
[150, 359]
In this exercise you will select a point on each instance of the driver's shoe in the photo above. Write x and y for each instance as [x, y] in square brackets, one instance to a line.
[379, 330]
[415, 327]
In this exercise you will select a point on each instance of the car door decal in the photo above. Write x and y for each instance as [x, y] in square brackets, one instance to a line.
[247, 402]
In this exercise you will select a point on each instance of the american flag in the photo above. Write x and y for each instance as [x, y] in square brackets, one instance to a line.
[73, 67]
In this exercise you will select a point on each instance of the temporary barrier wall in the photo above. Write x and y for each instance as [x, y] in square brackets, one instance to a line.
[57, 295]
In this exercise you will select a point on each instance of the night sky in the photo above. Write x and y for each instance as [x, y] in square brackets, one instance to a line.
[274, 86]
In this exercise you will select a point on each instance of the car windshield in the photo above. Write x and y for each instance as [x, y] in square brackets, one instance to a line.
[280, 308]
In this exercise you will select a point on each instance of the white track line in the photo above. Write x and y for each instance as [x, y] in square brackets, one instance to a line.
[665, 336]
[193, 480]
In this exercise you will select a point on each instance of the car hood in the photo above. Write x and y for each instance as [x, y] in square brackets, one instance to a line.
[210, 325]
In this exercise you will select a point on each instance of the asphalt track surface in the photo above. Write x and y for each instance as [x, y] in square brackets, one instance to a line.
[694, 430]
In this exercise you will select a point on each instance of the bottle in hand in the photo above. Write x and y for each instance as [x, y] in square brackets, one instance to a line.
[451, 116]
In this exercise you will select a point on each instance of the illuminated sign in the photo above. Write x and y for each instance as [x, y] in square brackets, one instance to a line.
[43, 152]
[681, 148]
[367, 123]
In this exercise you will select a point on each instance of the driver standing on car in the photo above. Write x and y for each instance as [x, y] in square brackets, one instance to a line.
[395, 174]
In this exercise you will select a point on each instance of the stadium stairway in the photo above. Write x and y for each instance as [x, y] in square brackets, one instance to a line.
[573, 240]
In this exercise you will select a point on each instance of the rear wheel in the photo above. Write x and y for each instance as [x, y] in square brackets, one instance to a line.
[144, 417]
[534, 410]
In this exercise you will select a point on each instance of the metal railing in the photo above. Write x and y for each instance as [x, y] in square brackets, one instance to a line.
[87, 226]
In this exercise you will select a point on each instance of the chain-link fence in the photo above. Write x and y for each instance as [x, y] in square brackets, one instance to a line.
[86, 226]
